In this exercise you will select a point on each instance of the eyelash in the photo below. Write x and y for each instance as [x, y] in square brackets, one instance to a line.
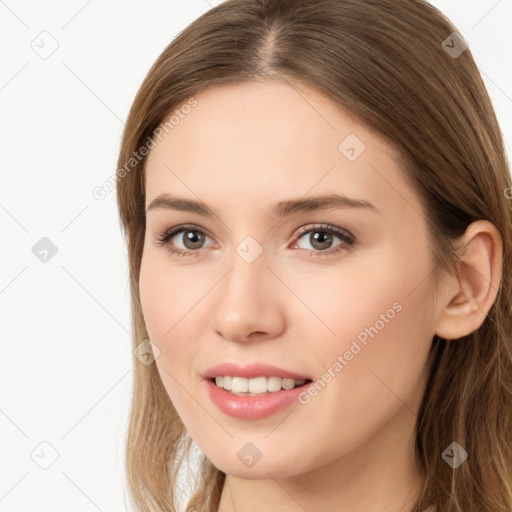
[348, 240]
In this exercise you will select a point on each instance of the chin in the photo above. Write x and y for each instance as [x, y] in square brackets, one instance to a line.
[261, 470]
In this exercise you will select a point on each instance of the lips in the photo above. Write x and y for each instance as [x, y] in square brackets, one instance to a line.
[252, 370]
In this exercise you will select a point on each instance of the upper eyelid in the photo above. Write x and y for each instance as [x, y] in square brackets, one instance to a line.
[324, 227]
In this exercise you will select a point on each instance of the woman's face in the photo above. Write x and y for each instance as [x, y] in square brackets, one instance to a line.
[340, 292]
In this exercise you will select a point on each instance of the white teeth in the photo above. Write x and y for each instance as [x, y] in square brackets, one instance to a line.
[288, 383]
[257, 385]
[274, 383]
[239, 385]
[227, 383]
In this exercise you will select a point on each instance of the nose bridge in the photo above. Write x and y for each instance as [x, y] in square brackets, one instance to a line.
[245, 303]
[248, 276]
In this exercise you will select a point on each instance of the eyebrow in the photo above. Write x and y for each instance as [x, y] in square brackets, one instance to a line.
[280, 209]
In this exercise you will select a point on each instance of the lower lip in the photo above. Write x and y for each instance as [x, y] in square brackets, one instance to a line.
[253, 407]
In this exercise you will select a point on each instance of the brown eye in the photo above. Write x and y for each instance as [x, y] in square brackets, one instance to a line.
[321, 239]
[189, 243]
[192, 239]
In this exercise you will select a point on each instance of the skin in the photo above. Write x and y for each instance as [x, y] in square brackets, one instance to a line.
[242, 149]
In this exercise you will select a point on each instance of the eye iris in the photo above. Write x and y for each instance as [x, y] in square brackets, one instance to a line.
[189, 236]
[325, 239]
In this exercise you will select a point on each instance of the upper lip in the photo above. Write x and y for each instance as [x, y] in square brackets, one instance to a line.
[252, 370]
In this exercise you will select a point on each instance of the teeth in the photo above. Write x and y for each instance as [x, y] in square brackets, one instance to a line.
[239, 385]
[274, 383]
[256, 386]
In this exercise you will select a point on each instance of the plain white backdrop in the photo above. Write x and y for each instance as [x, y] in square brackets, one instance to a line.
[68, 75]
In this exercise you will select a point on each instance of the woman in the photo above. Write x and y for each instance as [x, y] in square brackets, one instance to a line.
[315, 196]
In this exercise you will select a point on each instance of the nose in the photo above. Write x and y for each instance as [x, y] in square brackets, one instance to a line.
[248, 302]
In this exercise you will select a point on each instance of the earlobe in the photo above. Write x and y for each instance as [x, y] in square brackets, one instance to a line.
[472, 290]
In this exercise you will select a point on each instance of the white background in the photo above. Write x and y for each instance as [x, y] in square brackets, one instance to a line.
[65, 364]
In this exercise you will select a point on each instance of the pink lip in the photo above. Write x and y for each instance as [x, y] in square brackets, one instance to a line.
[252, 370]
[252, 407]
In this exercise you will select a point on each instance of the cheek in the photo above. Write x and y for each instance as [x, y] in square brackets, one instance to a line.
[377, 316]
[385, 286]
[167, 302]
[154, 298]
[168, 296]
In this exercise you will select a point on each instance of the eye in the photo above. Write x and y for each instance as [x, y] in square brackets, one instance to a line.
[192, 240]
[321, 238]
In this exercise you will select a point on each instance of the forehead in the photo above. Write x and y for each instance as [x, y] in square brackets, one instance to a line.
[268, 116]
[272, 140]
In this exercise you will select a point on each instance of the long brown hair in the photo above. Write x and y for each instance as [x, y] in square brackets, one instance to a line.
[399, 69]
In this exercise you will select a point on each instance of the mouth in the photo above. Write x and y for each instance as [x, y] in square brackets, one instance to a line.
[257, 386]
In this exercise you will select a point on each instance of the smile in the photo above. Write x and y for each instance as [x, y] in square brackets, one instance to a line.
[256, 386]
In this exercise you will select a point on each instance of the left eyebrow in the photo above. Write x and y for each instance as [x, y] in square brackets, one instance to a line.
[310, 204]
[280, 209]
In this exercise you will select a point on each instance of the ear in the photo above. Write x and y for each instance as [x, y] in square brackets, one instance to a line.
[472, 289]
